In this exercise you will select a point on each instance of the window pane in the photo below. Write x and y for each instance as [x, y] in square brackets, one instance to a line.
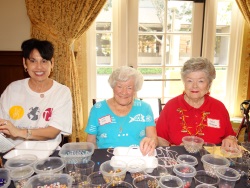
[103, 89]
[104, 19]
[221, 50]
[149, 47]
[151, 14]
[178, 49]
[103, 49]
[218, 88]
[175, 87]
[224, 11]
[179, 16]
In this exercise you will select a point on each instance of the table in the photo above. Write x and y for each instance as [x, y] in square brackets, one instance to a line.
[101, 155]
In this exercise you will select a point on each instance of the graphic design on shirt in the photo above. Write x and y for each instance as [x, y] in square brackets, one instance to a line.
[213, 123]
[92, 128]
[138, 118]
[47, 114]
[122, 134]
[103, 135]
[16, 112]
[142, 133]
[34, 113]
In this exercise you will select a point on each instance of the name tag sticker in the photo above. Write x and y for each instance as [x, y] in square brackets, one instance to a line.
[213, 123]
[105, 120]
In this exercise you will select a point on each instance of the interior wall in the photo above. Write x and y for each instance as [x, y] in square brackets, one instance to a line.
[15, 24]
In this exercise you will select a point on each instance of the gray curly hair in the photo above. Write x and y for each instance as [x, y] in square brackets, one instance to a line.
[124, 73]
[199, 64]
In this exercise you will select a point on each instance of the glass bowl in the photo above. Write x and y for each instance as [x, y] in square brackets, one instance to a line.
[192, 144]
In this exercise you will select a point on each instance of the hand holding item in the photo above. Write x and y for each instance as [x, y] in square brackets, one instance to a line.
[230, 143]
[147, 146]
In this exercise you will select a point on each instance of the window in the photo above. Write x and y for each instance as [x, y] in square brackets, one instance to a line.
[157, 37]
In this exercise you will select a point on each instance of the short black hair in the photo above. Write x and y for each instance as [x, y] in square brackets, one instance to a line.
[45, 48]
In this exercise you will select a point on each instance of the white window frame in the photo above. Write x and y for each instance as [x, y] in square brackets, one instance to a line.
[124, 43]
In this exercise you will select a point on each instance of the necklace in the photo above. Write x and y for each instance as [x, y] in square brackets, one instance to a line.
[41, 88]
[121, 125]
[186, 128]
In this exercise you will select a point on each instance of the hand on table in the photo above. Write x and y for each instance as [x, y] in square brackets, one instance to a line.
[229, 142]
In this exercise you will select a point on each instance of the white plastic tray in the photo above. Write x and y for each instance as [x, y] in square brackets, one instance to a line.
[41, 154]
[128, 151]
[37, 145]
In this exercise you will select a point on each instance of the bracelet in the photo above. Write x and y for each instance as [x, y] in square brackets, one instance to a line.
[29, 133]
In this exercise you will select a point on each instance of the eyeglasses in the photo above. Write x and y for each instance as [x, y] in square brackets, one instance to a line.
[32, 60]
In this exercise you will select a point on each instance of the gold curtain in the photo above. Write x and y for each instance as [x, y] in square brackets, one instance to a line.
[244, 6]
[62, 22]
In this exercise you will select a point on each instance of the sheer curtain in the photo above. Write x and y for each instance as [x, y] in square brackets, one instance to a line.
[62, 22]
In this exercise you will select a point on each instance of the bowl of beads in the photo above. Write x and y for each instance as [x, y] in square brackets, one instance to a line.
[187, 159]
[136, 167]
[49, 165]
[4, 178]
[145, 181]
[211, 162]
[185, 172]
[113, 170]
[49, 180]
[192, 144]
[20, 161]
[77, 152]
[21, 175]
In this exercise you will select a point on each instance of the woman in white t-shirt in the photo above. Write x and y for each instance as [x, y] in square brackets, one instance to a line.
[38, 107]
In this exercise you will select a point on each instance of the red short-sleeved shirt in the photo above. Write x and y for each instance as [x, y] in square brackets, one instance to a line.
[217, 122]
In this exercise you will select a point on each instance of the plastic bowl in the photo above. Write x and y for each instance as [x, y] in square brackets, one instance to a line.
[49, 165]
[158, 172]
[205, 177]
[170, 182]
[136, 167]
[4, 178]
[121, 184]
[113, 171]
[228, 176]
[186, 172]
[77, 152]
[21, 175]
[230, 152]
[211, 162]
[192, 144]
[20, 161]
[187, 159]
[145, 181]
[49, 180]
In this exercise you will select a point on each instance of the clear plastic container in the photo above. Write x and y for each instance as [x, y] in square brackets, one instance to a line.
[20, 161]
[49, 180]
[49, 165]
[121, 184]
[77, 152]
[158, 172]
[192, 144]
[186, 172]
[211, 162]
[168, 163]
[205, 177]
[187, 159]
[145, 181]
[228, 176]
[4, 178]
[21, 175]
[113, 171]
[136, 167]
[170, 182]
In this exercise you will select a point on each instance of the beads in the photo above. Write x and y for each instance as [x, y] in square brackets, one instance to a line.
[53, 185]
